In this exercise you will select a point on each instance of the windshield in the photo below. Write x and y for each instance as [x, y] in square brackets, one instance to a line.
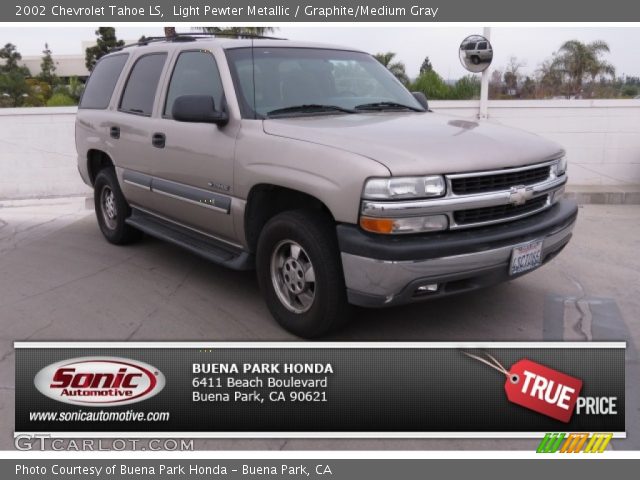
[311, 77]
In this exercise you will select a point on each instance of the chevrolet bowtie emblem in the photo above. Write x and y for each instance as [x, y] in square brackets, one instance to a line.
[520, 194]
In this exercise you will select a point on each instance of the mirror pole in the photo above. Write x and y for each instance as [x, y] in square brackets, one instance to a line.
[484, 85]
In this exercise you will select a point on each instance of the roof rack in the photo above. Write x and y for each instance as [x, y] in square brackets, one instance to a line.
[191, 37]
[229, 34]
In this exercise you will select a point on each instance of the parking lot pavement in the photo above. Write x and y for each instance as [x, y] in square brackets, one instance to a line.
[59, 280]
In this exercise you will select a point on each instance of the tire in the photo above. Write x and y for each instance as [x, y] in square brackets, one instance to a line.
[300, 273]
[475, 60]
[112, 209]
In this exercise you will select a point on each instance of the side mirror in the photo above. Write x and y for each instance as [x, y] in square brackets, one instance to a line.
[198, 109]
[422, 100]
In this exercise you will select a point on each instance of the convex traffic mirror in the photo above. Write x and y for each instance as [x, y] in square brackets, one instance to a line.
[476, 53]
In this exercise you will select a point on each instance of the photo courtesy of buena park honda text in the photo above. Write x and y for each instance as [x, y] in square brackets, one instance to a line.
[278, 240]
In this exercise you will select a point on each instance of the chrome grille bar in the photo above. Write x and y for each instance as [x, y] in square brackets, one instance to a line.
[451, 203]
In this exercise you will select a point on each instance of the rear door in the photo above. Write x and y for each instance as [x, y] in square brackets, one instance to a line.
[193, 165]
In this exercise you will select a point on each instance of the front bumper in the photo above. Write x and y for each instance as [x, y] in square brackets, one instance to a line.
[387, 270]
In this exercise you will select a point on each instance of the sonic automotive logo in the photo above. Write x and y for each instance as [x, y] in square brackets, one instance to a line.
[99, 381]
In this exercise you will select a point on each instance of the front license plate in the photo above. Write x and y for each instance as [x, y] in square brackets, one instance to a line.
[526, 257]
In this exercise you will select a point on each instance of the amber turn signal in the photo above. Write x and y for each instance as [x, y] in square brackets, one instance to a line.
[376, 225]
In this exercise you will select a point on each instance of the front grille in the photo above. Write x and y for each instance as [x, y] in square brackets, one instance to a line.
[500, 212]
[499, 181]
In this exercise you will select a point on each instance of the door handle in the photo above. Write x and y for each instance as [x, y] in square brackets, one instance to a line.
[158, 140]
[115, 132]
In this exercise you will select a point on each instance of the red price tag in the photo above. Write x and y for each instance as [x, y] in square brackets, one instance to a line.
[538, 388]
[543, 389]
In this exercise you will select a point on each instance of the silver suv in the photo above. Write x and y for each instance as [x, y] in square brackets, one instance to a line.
[478, 51]
[315, 166]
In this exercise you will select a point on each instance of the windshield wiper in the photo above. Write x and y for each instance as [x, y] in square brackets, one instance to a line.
[387, 106]
[309, 108]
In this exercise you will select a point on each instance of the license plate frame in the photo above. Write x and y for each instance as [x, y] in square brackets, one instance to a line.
[526, 257]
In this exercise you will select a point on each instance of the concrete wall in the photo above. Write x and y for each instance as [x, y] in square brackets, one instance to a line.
[602, 139]
[37, 153]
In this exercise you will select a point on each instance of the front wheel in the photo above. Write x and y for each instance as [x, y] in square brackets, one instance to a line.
[300, 273]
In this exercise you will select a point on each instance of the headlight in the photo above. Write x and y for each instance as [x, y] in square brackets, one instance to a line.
[560, 167]
[430, 223]
[397, 188]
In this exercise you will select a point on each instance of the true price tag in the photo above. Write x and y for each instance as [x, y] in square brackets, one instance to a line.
[543, 389]
[538, 388]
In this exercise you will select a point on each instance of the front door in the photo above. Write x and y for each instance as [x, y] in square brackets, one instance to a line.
[193, 162]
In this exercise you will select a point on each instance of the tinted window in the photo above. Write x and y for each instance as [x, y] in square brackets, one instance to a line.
[102, 82]
[482, 46]
[142, 83]
[195, 73]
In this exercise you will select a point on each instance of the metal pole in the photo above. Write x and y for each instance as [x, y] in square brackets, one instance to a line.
[484, 85]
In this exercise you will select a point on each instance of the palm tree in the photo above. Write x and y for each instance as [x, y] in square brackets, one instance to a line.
[397, 68]
[238, 31]
[581, 61]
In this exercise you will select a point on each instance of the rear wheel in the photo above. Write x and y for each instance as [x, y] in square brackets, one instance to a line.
[300, 273]
[112, 209]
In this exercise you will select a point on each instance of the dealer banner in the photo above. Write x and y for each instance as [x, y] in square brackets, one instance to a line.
[319, 389]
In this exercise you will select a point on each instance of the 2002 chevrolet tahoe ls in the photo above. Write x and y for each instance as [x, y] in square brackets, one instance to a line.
[314, 165]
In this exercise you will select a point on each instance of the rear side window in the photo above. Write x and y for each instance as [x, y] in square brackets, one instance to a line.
[142, 83]
[102, 82]
[195, 73]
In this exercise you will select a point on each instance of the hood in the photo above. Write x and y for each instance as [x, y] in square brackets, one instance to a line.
[419, 143]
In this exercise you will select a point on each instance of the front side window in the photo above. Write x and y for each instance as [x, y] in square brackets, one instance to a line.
[195, 73]
[102, 82]
[271, 79]
[140, 90]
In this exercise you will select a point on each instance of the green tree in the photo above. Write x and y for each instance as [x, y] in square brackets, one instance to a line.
[466, 88]
[73, 89]
[528, 89]
[426, 65]
[48, 68]
[38, 93]
[397, 68]
[549, 79]
[14, 88]
[580, 62]
[61, 100]
[106, 41]
[11, 57]
[432, 85]
[496, 85]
